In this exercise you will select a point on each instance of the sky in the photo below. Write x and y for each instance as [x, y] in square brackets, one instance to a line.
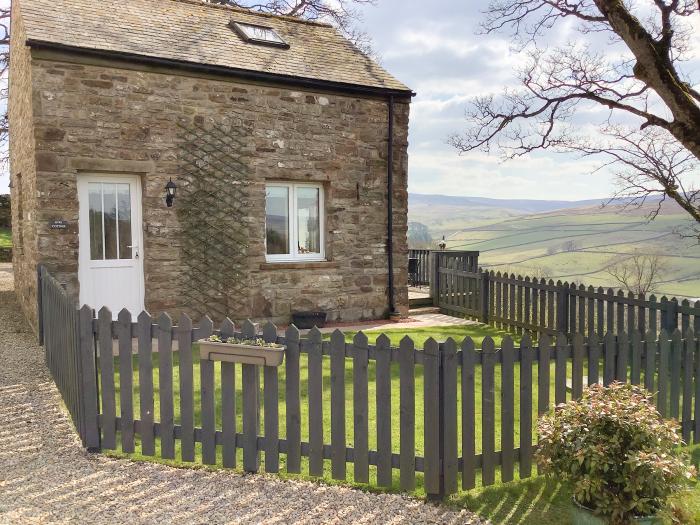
[434, 48]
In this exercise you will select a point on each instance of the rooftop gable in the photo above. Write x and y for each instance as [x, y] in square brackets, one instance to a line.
[192, 32]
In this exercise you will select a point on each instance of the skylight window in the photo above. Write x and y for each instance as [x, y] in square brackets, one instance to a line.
[258, 34]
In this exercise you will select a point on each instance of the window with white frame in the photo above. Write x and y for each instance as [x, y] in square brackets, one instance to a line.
[294, 222]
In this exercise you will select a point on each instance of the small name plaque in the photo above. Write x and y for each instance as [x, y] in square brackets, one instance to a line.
[58, 224]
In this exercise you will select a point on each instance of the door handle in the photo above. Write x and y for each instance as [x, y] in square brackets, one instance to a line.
[135, 248]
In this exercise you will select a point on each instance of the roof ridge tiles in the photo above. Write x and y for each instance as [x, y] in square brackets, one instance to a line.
[236, 9]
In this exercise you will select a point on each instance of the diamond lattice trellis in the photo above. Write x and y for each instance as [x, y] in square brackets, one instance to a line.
[212, 202]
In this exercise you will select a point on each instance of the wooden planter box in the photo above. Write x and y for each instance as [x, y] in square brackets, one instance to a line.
[246, 354]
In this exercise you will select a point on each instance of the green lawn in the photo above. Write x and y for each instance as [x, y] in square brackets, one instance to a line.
[543, 501]
[5, 238]
[533, 501]
[420, 335]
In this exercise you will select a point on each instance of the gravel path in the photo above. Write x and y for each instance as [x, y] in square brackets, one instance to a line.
[45, 476]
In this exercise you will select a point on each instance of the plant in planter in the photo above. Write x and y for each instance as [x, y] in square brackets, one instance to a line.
[616, 451]
[253, 351]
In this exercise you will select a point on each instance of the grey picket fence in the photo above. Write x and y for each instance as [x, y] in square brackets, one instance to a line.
[530, 305]
[73, 371]
[445, 417]
[537, 305]
[423, 261]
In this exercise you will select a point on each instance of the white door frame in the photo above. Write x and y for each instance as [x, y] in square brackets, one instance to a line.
[85, 264]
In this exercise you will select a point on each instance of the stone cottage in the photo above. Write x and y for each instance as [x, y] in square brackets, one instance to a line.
[185, 157]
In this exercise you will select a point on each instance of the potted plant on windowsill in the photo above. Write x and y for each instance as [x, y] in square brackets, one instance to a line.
[616, 452]
[254, 351]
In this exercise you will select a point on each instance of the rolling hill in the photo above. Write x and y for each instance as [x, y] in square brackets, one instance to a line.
[573, 241]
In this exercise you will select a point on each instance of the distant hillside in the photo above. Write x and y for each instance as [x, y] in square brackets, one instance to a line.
[573, 241]
[519, 205]
[444, 214]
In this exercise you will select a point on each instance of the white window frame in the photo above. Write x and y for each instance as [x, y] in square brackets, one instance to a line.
[294, 255]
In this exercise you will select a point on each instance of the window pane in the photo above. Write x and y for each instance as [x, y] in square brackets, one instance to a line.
[277, 220]
[95, 203]
[124, 203]
[309, 227]
[110, 220]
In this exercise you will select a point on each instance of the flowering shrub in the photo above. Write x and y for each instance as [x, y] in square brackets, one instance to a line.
[258, 341]
[616, 451]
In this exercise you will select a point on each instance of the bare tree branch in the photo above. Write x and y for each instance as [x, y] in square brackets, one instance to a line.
[638, 273]
[640, 86]
[343, 14]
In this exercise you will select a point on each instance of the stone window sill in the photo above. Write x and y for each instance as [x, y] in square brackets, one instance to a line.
[299, 265]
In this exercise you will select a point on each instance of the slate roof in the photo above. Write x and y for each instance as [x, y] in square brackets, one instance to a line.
[192, 32]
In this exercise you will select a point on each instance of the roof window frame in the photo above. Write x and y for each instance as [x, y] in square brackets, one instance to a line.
[240, 31]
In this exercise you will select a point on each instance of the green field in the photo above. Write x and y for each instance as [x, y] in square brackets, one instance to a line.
[5, 238]
[579, 244]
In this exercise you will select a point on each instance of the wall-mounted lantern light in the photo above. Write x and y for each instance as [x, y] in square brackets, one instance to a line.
[442, 244]
[170, 189]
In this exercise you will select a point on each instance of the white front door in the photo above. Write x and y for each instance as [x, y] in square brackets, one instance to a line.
[111, 259]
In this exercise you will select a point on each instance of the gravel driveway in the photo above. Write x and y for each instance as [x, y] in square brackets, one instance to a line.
[45, 476]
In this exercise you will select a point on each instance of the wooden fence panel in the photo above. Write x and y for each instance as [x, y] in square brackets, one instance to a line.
[525, 407]
[431, 399]
[469, 466]
[293, 400]
[146, 398]
[488, 412]
[664, 353]
[165, 387]
[251, 408]
[338, 467]
[360, 400]
[676, 377]
[507, 409]
[228, 397]
[672, 366]
[186, 369]
[561, 360]
[407, 414]
[107, 391]
[271, 401]
[315, 341]
[687, 367]
[449, 412]
[383, 411]
[126, 381]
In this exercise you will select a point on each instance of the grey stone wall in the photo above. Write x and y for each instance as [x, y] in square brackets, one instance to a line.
[22, 169]
[101, 116]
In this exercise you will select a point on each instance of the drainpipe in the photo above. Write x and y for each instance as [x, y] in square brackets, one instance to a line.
[390, 204]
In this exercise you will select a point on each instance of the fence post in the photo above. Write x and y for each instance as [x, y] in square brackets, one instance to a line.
[40, 302]
[433, 420]
[484, 299]
[562, 307]
[88, 377]
[669, 316]
[434, 277]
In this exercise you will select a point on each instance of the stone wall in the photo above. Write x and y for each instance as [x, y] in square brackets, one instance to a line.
[22, 169]
[98, 116]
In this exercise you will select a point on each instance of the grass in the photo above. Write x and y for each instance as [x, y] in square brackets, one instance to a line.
[533, 244]
[532, 501]
[5, 238]
[420, 335]
[543, 501]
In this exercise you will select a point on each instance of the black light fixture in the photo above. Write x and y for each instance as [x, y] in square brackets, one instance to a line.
[170, 190]
[442, 244]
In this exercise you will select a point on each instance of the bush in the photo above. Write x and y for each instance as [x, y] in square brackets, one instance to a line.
[615, 450]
